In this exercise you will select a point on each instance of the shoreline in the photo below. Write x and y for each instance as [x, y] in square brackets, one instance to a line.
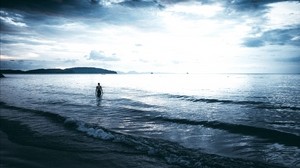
[13, 154]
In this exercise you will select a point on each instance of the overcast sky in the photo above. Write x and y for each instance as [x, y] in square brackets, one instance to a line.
[177, 36]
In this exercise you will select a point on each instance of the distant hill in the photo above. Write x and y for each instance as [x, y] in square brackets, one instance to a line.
[76, 70]
[90, 70]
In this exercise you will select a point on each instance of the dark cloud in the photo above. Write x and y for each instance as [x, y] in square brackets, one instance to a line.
[253, 42]
[7, 28]
[95, 1]
[40, 14]
[295, 59]
[282, 37]
[85, 8]
[36, 64]
[246, 5]
[47, 6]
[11, 22]
[70, 61]
[100, 56]
[238, 5]
[142, 4]
[12, 40]
[275, 37]
[293, 63]
[54, 6]
[22, 64]
[41, 11]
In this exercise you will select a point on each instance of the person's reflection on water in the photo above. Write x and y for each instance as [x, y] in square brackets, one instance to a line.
[99, 100]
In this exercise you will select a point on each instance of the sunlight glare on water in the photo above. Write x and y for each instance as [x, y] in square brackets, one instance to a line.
[191, 84]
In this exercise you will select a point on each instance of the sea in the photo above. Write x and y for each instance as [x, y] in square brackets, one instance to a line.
[150, 121]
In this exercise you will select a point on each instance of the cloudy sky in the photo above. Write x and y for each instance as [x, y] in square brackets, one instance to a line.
[177, 36]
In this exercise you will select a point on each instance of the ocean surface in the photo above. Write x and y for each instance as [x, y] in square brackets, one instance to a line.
[158, 120]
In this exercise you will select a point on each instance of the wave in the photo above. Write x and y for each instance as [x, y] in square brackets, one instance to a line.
[268, 134]
[126, 101]
[256, 104]
[49, 115]
[172, 153]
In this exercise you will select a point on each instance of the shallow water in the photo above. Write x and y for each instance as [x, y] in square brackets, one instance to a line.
[226, 120]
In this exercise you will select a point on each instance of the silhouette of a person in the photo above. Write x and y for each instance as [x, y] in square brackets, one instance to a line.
[99, 90]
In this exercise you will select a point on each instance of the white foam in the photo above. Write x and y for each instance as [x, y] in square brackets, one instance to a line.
[95, 132]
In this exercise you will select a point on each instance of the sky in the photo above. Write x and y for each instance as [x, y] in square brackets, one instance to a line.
[166, 36]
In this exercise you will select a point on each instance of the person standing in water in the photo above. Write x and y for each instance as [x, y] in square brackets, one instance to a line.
[99, 90]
